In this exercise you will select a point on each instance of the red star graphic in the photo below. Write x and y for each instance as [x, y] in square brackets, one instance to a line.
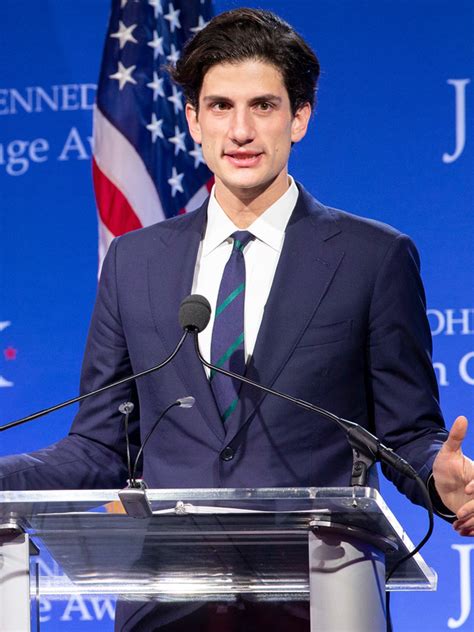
[10, 353]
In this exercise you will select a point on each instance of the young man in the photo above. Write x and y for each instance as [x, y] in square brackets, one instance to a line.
[334, 313]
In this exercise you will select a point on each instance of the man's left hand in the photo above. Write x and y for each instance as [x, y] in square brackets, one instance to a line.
[453, 474]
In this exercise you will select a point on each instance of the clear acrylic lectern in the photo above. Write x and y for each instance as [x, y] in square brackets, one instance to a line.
[331, 546]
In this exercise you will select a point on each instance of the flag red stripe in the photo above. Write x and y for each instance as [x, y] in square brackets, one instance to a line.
[114, 209]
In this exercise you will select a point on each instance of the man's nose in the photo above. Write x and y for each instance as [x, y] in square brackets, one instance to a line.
[242, 129]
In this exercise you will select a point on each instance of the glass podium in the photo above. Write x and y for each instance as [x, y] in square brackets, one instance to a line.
[330, 546]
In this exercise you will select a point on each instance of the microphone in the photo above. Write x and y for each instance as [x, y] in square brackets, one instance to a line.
[194, 313]
[194, 316]
[126, 409]
[133, 497]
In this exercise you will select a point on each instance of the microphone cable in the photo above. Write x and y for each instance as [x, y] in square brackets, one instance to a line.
[183, 402]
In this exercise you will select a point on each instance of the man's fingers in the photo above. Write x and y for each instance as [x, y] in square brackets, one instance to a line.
[466, 532]
[467, 510]
[466, 523]
[456, 435]
[465, 527]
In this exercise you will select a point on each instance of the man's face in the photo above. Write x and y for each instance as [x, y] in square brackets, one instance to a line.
[246, 128]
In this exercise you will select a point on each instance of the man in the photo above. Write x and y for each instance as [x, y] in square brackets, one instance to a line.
[334, 311]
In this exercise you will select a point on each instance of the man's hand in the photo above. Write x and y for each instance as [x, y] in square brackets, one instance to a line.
[454, 478]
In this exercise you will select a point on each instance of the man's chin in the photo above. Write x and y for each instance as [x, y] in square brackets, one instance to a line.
[246, 186]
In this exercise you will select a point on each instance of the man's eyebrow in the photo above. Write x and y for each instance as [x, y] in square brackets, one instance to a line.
[266, 97]
[260, 97]
[215, 97]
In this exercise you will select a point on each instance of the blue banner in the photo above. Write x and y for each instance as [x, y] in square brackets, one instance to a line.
[391, 138]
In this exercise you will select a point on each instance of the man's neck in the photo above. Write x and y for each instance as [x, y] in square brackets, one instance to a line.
[244, 206]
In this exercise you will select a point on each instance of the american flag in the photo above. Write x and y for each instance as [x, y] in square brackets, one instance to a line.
[146, 167]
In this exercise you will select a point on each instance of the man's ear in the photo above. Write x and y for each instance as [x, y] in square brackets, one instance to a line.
[193, 123]
[299, 125]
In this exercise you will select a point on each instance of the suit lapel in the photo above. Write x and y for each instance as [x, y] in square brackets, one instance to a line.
[170, 272]
[306, 267]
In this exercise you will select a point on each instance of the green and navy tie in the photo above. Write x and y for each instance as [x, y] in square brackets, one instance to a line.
[227, 346]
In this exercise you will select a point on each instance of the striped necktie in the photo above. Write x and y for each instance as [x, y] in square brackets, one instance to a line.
[227, 345]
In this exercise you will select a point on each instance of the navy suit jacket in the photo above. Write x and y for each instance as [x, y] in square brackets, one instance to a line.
[344, 327]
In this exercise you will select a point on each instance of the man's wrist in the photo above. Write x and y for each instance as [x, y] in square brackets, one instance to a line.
[439, 507]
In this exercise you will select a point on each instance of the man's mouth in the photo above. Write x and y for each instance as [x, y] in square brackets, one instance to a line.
[243, 158]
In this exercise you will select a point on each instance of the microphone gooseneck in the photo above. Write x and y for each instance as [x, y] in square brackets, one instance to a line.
[359, 437]
[194, 315]
[126, 409]
[80, 398]
[183, 402]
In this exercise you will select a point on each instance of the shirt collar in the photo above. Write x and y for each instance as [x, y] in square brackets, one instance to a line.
[269, 227]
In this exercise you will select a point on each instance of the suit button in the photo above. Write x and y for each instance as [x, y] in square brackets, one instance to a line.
[227, 454]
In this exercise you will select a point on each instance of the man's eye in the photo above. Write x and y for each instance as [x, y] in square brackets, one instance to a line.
[220, 106]
[265, 106]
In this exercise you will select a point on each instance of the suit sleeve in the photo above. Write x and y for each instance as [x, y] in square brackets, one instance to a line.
[403, 385]
[93, 454]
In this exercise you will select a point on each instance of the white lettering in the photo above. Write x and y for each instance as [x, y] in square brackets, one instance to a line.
[44, 610]
[451, 321]
[460, 118]
[45, 570]
[440, 321]
[21, 152]
[463, 320]
[66, 97]
[88, 91]
[77, 604]
[463, 368]
[441, 373]
[51, 102]
[17, 164]
[464, 584]
[102, 608]
[39, 145]
[3, 101]
[73, 144]
[70, 94]
[15, 97]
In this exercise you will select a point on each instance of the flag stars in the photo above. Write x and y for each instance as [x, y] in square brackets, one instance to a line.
[174, 55]
[157, 44]
[156, 4]
[123, 75]
[178, 140]
[175, 182]
[124, 34]
[157, 86]
[173, 17]
[175, 99]
[200, 25]
[155, 127]
[196, 153]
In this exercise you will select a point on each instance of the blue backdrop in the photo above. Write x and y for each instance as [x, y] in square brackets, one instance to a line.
[392, 139]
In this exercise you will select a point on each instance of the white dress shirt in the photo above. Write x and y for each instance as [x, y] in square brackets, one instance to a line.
[261, 259]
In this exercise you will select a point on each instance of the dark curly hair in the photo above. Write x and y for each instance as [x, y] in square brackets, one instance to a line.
[241, 34]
